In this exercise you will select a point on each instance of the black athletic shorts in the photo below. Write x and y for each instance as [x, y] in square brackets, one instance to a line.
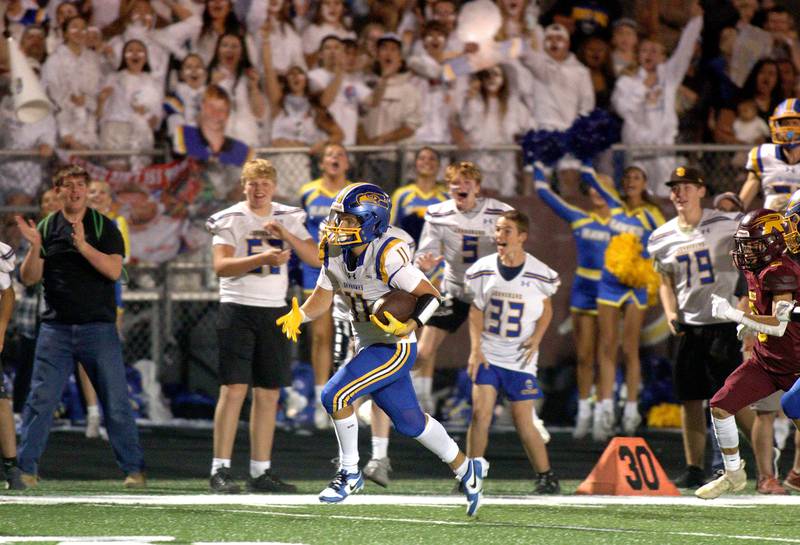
[707, 354]
[450, 315]
[252, 349]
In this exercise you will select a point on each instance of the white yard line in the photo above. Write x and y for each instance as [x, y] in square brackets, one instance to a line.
[385, 499]
[36, 539]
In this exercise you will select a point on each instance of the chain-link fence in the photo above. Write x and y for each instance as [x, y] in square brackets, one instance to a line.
[171, 293]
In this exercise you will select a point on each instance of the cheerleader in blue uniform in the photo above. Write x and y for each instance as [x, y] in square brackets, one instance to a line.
[617, 302]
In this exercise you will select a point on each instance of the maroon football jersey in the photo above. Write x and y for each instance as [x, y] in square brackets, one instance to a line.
[778, 354]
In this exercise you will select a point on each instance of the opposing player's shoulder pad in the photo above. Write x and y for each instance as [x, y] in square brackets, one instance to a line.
[780, 276]
[393, 254]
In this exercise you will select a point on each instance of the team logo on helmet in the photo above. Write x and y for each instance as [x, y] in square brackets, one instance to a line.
[792, 217]
[376, 199]
[759, 240]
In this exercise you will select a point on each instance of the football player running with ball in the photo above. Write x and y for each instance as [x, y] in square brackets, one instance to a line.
[362, 263]
[510, 312]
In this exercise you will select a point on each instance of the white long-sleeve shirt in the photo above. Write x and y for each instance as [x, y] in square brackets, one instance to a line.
[562, 90]
[649, 114]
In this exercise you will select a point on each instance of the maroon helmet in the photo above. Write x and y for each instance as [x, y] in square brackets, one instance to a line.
[758, 240]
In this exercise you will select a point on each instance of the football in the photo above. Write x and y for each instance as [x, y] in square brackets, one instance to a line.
[398, 303]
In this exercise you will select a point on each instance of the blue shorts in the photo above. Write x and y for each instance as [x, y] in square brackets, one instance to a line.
[612, 292]
[514, 385]
[383, 371]
[310, 275]
[584, 295]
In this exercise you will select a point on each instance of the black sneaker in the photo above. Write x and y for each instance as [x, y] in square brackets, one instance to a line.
[14, 479]
[222, 482]
[547, 484]
[692, 477]
[269, 482]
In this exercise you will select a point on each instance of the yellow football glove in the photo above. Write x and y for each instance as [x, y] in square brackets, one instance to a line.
[395, 327]
[290, 322]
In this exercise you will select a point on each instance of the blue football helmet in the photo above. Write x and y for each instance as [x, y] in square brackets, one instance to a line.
[792, 215]
[784, 124]
[369, 204]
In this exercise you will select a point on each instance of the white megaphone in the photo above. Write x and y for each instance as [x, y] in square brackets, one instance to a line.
[30, 101]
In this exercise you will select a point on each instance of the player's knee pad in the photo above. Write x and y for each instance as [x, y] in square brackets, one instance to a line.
[790, 403]
[326, 398]
[409, 422]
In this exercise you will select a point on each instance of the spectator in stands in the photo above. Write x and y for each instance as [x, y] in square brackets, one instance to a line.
[393, 114]
[368, 47]
[182, 106]
[779, 22]
[595, 53]
[562, 91]
[624, 45]
[341, 90]
[330, 17]
[32, 45]
[64, 11]
[788, 73]
[583, 18]
[494, 115]
[8, 433]
[232, 69]
[298, 120]
[75, 98]
[437, 95]
[445, 12]
[218, 19]
[645, 100]
[761, 86]
[287, 48]
[249, 237]
[77, 254]
[139, 23]
[208, 141]
[749, 128]
[130, 104]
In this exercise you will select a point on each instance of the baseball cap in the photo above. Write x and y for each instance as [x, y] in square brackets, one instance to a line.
[626, 21]
[686, 175]
[390, 37]
[731, 196]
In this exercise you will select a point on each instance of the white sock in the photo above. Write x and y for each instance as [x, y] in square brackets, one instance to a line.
[217, 463]
[584, 407]
[434, 438]
[607, 405]
[462, 469]
[380, 447]
[347, 435]
[92, 410]
[318, 393]
[631, 409]
[727, 437]
[257, 469]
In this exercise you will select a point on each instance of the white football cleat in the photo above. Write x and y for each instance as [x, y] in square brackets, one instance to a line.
[342, 485]
[730, 481]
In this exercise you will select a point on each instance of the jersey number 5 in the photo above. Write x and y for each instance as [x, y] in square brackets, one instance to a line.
[705, 269]
[469, 249]
[502, 321]
[254, 247]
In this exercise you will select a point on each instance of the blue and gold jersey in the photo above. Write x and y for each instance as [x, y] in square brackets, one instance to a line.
[316, 201]
[409, 204]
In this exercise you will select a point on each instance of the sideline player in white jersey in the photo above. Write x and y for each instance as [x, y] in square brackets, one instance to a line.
[510, 312]
[362, 262]
[774, 168]
[692, 254]
[252, 242]
[459, 231]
